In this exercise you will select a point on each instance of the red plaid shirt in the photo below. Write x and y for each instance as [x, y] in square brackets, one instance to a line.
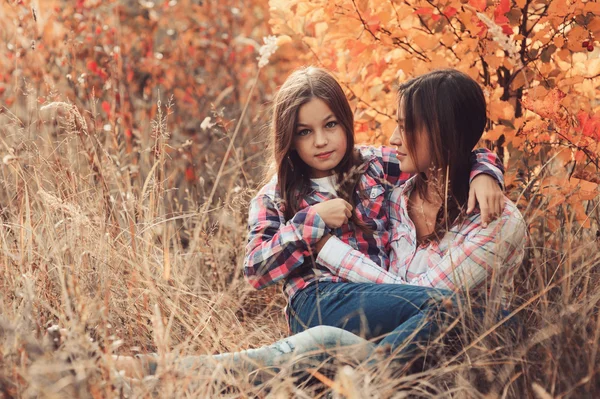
[469, 257]
[278, 249]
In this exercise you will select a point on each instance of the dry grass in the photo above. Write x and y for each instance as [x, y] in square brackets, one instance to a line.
[114, 247]
[123, 265]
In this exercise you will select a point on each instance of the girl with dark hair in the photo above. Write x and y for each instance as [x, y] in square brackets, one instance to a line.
[441, 117]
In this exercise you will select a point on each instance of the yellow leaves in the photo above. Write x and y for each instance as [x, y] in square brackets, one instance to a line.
[502, 110]
[594, 26]
[523, 78]
[560, 8]
[593, 67]
[575, 37]
[387, 127]
[592, 7]
[426, 42]
[583, 190]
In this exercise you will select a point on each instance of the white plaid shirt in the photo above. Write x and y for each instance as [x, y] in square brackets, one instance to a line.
[469, 257]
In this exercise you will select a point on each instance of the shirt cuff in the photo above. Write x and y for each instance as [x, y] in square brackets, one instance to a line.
[309, 226]
[332, 253]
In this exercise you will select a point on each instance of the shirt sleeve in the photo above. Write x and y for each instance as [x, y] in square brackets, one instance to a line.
[390, 165]
[275, 249]
[485, 161]
[466, 265]
[482, 161]
[352, 265]
[471, 259]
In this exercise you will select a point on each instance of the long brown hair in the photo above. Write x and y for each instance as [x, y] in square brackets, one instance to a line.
[293, 175]
[447, 108]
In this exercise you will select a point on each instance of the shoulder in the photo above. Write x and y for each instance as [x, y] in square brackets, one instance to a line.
[374, 154]
[267, 196]
[270, 189]
[377, 159]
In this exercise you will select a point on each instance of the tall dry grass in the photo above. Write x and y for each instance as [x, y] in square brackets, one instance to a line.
[104, 252]
[120, 265]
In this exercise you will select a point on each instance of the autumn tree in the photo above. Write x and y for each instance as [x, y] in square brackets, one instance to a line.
[536, 59]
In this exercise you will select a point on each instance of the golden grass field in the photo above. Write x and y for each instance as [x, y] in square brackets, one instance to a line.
[109, 251]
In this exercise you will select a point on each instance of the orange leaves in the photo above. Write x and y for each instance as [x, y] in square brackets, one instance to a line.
[575, 38]
[479, 5]
[426, 42]
[546, 107]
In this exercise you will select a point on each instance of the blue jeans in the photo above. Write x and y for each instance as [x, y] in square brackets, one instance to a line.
[399, 316]
[312, 348]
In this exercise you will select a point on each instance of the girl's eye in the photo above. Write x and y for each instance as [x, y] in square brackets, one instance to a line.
[331, 124]
[303, 132]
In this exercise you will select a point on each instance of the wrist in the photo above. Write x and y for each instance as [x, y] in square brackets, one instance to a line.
[321, 243]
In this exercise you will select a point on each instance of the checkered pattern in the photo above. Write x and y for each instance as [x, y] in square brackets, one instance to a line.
[468, 257]
[278, 249]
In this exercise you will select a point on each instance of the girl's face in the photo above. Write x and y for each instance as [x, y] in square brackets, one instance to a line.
[319, 139]
[408, 164]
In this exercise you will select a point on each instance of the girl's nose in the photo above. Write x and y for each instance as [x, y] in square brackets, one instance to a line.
[320, 139]
[396, 138]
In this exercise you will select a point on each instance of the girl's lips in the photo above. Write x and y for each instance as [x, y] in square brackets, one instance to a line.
[400, 154]
[324, 155]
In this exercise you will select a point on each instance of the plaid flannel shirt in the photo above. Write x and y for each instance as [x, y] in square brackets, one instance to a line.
[281, 249]
[469, 257]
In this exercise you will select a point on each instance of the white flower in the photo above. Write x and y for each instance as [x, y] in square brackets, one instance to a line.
[206, 123]
[267, 50]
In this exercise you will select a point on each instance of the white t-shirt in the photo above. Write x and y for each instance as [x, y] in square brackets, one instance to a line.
[326, 184]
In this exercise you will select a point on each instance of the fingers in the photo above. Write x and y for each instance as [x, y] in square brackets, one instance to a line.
[500, 204]
[348, 206]
[471, 202]
[485, 213]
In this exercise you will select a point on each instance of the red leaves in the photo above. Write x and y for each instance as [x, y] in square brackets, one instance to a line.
[502, 8]
[92, 66]
[589, 125]
[424, 11]
[500, 16]
[106, 108]
[449, 12]
[190, 175]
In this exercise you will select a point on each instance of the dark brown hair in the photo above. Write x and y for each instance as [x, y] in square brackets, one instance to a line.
[447, 108]
[293, 175]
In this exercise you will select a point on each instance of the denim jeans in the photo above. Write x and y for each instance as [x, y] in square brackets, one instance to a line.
[312, 348]
[399, 316]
